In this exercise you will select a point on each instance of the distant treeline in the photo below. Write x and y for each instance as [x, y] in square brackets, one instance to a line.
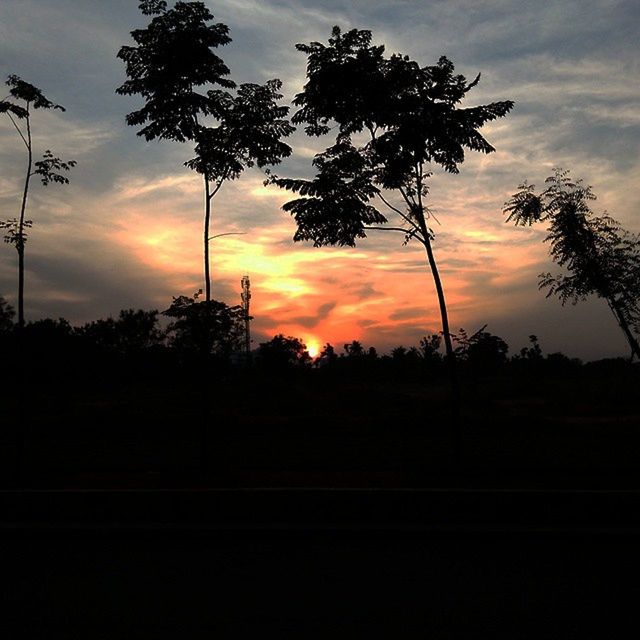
[209, 335]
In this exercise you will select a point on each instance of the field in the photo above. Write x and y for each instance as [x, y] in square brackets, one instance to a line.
[312, 429]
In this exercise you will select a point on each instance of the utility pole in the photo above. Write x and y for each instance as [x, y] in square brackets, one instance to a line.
[246, 298]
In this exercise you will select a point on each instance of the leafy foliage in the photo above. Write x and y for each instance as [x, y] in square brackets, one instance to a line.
[174, 56]
[327, 355]
[282, 353]
[132, 331]
[7, 314]
[21, 90]
[354, 349]
[209, 328]
[482, 350]
[14, 234]
[48, 169]
[600, 257]
[334, 207]
[412, 118]
[251, 125]
[49, 331]
[13, 109]
[531, 353]
[152, 7]
[430, 349]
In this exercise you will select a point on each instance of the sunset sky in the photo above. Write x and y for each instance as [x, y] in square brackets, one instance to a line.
[127, 231]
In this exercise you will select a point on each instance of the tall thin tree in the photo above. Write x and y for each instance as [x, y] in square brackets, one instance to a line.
[18, 106]
[395, 119]
[173, 59]
[600, 257]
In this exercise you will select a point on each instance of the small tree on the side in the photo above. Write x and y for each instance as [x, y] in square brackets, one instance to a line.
[599, 256]
[18, 106]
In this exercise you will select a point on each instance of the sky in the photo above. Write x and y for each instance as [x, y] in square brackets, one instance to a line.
[126, 232]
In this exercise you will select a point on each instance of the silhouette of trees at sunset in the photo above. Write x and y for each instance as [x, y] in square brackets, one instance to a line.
[412, 120]
[181, 375]
[173, 58]
[601, 258]
[18, 106]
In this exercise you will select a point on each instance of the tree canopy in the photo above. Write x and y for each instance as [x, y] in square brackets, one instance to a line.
[600, 257]
[412, 119]
[17, 106]
[174, 56]
[186, 90]
[249, 131]
[205, 327]
[394, 121]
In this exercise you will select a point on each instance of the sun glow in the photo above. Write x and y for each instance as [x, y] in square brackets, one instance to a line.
[313, 347]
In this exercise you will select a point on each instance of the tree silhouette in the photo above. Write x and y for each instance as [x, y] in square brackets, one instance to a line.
[533, 352]
[600, 257]
[354, 349]
[17, 106]
[430, 349]
[411, 119]
[327, 356]
[251, 124]
[173, 58]
[132, 331]
[7, 313]
[483, 351]
[205, 328]
[283, 353]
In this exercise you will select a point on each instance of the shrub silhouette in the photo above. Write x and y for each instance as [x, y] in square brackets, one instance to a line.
[283, 354]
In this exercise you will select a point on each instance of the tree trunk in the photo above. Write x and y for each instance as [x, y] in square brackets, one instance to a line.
[451, 358]
[624, 325]
[207, 218]
[20, 239]
[443, 308]
[204, 419]
[20, 287]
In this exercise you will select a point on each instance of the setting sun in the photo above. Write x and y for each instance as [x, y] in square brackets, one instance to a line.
[313, 348]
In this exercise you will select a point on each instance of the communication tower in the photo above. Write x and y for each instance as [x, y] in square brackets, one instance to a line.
[246, 298]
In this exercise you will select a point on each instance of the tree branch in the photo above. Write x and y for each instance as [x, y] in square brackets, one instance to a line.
[13, 122]
[389, 204]
[219, 184]
[411, 203]
[415, 233]
[422, 222]
[405, 217]
[229, 233]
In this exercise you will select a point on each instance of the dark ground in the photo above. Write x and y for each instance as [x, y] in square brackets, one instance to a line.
[580, 430]
[320, 564]
[100, 559]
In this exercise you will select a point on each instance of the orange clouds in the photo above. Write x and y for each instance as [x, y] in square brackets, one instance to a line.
[380, 292]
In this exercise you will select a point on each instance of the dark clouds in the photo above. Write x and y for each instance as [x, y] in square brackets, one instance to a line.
[311, 321]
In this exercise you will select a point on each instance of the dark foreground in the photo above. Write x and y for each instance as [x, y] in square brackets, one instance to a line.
[172, 506]
[177, 429]
[405, 564]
